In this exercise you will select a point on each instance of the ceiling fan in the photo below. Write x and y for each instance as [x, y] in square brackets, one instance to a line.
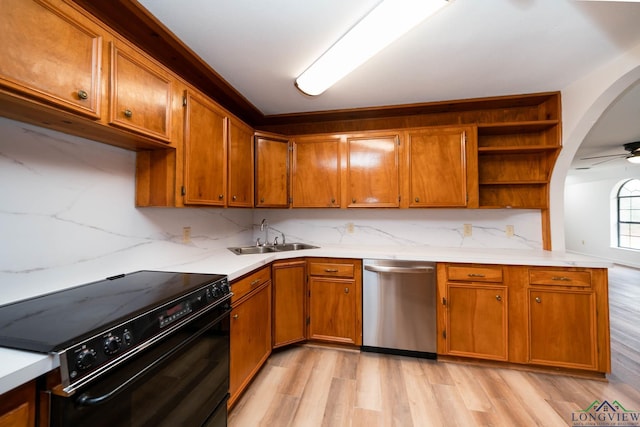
[632, 147]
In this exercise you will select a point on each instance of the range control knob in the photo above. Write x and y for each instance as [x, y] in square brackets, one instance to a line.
[112, 344]
[225, 288]
[216, 292]
[86, 358]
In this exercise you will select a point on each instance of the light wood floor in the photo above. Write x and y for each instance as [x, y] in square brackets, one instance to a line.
[318, 386]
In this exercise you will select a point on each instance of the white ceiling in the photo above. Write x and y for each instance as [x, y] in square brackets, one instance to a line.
[471, 48]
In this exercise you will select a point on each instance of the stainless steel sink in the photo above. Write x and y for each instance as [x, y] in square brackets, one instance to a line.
[293, 247]
[246, 250]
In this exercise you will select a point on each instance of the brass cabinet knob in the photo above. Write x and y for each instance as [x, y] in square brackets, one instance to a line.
[128, 113]
[235, 316]
[538, 300]
[333, 200]
[82, 94]
[346, 290]
[499, 298]
[417, 199]
[220, 196]
[234, 198]
[353, 200]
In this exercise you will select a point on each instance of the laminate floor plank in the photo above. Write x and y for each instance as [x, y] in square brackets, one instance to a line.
[316, 386]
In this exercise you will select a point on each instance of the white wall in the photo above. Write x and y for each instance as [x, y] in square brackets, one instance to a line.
[588, 217]
[583, 102]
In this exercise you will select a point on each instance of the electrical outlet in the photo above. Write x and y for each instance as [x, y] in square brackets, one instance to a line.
[509, 230]
[467, 230]
[186, 234]
[350, 227]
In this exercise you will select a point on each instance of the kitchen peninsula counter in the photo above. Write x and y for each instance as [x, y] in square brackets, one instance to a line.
[18, 367]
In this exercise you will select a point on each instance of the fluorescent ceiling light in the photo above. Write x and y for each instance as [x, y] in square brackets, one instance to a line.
[384, 24]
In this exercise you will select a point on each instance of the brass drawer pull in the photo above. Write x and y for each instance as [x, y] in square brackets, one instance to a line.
[475, 275]
[255, 282]
[561, 278]
[330, 270]
[83, 94]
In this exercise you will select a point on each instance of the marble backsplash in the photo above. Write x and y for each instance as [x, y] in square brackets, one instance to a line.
[404, 227]
[67, 217]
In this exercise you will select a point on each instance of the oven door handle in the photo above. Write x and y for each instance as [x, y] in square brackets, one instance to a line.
[87, 400]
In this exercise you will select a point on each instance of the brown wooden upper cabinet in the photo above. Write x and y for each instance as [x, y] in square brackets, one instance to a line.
[240, 165]
[63, 70]
[440, 166]
[205, 151]
[316, 172]
[272, 172]
[372, 170]
[140, 94]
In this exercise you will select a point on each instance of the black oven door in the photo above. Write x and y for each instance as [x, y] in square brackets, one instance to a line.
[182, 380]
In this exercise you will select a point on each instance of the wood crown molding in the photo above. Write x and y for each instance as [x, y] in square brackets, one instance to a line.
[136, 24]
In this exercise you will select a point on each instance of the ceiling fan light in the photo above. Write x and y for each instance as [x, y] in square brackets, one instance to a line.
[384, 24]
[634, 157]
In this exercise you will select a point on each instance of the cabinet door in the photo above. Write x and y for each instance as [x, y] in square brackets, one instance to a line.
[316, 173]
[289, 302]
[373, 171]
[49, 55]
[476, 321]
[333, 308]
[140, 94]
[272, 172]
[562, 328]
[18, 406]
[240, 165]
[437, 167]
[250, 342]
[205, 152]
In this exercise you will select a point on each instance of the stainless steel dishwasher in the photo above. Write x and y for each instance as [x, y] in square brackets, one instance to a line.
[399, 307]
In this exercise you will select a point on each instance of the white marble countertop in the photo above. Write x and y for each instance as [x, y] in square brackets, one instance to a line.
[18, 367]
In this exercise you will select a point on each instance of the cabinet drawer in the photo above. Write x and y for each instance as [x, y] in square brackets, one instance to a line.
[242, 287]
[474, 274]
[560, 277]
[331, 269]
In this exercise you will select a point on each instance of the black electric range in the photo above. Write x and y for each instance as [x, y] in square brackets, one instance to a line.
[54, 321]
[93, 328]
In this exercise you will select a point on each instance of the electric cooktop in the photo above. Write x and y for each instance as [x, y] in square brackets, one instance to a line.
[57, 320]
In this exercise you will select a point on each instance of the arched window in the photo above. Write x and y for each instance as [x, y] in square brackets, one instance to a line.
[629, 215]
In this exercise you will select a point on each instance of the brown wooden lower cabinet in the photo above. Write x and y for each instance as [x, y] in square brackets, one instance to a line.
[250, 330]
[537, 316]
[289, 302]
[18, 406]
[562, 328]
[335, 300]
[477, 320]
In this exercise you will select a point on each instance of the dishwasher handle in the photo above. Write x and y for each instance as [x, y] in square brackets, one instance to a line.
[391, 269]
